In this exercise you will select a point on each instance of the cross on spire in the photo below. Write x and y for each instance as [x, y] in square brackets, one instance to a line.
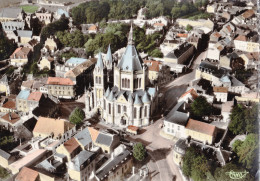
[130, 38]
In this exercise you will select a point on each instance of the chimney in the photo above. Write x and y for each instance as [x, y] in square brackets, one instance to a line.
[133, 170]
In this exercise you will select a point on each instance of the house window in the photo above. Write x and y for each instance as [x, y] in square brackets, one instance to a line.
[119, 109]
[141, 110]
[109, 108]
[145, 111]
[124, 108]
[123, 82]
[135, 112]
[99, 80]
[96, 79]
[128, 83]
[104, 104]
[140, 82]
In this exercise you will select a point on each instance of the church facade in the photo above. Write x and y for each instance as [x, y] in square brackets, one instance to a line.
[129, 101]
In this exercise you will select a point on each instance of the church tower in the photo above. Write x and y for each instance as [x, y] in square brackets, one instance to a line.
[100, 80]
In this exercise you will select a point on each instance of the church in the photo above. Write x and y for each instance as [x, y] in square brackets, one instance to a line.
[128, 100]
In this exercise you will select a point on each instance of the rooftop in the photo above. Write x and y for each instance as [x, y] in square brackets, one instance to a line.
[9, 105]
[27, 174]
[35, 96]
[24, 94]
[74, 60]
[71, 145]
[83, 137]
[93, 133]
[48, 126]
[11, 12]
[220, 89]
[104, 139]
[59, 81]
[80, 159]
[11, 117]
[201, 127]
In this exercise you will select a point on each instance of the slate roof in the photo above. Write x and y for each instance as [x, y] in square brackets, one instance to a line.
[24, 33]
[201, 127]
[11, 12]
[146, 98]
[83, 137]
[112, 164]
[109, 54]
[176, 53]
[130, 61]
[61, 12]
[218, 72]
[104, 139]
[13, 25]
[99, 63]
[180, 145]
[4, 154]
[80, 159]
[24, 94]
[77, 61]
[177, 117]
[137, 99]
[4, 79]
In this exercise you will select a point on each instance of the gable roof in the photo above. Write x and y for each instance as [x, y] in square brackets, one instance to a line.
[9, 104]
[71, 145]
[59, 81]
[11, 117]
[220, 89]
[27, 174]
[11, 12]
[248, 13]
[24, 94]
[50, 125]
[104, 139]
[35, 96]
[153, 65]
[24, 33]
[21, 52]
[80, 159]
[192, 92]
[241, 38]
[201, 127]
[93, 133]
[83, 137]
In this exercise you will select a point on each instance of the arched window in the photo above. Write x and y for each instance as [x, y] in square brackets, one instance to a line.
[128, 83]
[104, 104]
[99, 80]
[145, 111]
[135, 113]
[136, 83]
[123, 82]
[96, 79]
[141, 110]
[109, 108]
[140, 82]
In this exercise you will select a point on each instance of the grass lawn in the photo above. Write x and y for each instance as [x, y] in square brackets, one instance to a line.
[29, 8]
[3, 173]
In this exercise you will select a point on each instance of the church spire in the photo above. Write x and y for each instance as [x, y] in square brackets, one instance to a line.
[130, 38]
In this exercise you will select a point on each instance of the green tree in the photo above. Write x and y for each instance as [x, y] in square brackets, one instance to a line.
[189, 27]
[3, 173]
[221, 173]
[7, 46]
[77, 116]
[139, 151]
[237, 124]
[156, 53]
[247, 152]
[251, 115]
[200, 107]
[195, 164]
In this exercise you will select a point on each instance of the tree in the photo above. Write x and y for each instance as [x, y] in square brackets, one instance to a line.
[139, 151]
[200, 107]
[247, 152]
[189, 27]
[244, 119]
[221, 173]
[7, 46]
[76, 116]
[156, 53]
[195, 164]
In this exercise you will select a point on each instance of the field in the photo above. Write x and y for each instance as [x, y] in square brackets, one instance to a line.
[29, 8]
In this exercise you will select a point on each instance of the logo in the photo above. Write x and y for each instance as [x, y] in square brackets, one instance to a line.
[236, 175]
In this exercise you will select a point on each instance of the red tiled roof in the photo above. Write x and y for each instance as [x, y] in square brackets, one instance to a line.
[71, 145]
[93, 133]
[35, 96]
[241, 38]
[27, 174]
[59, 81]
[132, 128]
[182, 35]
[201, 127]
[154, 65]
[192, 92]
[11, 117]
[220, 89]
[92, 27]
[248, 13]
[9, 105]
[21, 52]
[158, 24]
